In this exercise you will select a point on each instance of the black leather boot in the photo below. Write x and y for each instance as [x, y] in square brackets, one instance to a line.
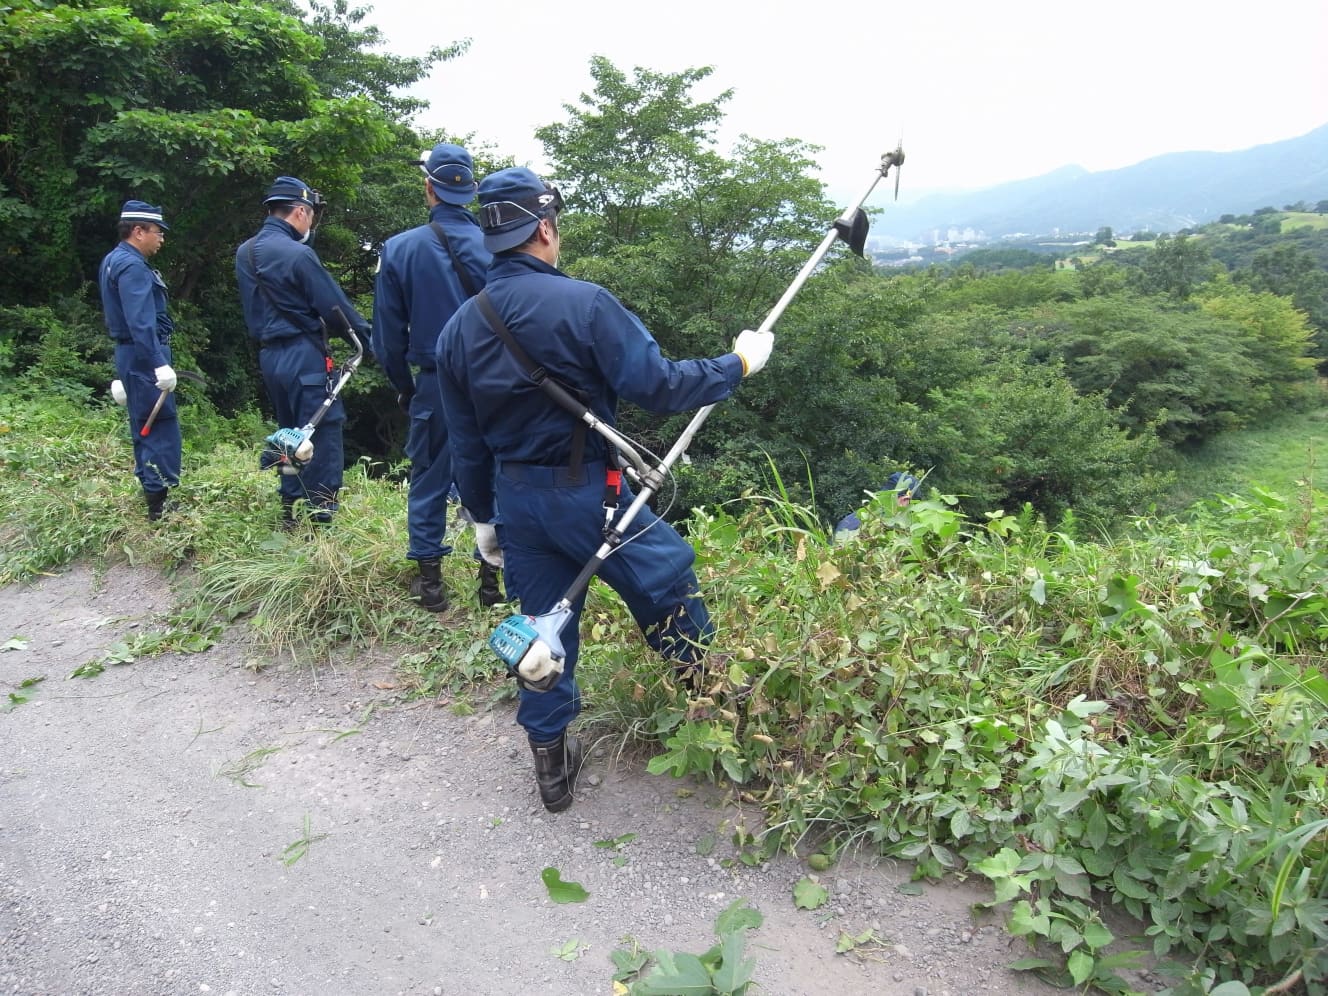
[557, 763]
[432, 596]
[490, 593]
[156, 502]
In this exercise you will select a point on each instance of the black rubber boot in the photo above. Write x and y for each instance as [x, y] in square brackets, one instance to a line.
[288, 521]
[156, 502]
[557, 763]
[490, 593]
[432, 597]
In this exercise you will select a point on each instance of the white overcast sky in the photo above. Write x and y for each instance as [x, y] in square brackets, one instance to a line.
[981, 92]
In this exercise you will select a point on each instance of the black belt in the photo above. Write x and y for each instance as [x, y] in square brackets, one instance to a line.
[549, 477]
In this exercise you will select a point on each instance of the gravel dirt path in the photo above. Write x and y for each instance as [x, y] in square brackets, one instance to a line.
[151, 821]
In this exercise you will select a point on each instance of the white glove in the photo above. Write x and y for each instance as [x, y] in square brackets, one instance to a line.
[486, 538]
[753, 348]
[538, 663]
[118, 392]
[166, 379]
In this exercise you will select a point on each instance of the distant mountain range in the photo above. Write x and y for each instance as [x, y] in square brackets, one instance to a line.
[1162, 194]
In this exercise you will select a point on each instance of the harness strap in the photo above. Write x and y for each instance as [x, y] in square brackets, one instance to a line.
[467, 284]
[319, 337]
[541, 378]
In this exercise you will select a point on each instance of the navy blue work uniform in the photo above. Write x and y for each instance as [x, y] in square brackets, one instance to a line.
[417, 290]
[284, 291]
[133, 300]
[512, 445]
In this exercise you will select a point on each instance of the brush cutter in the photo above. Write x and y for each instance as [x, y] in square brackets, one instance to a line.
[531, 646]
[292, 449]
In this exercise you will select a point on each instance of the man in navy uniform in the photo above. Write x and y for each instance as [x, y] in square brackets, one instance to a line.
[133, 300]
[513, 449]
[424, 275]
[287, 296]
[903, 486]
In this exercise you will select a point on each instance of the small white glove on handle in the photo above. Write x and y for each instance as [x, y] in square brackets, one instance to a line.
[118, 393]
[486, 538]
[537, 663]
[166, 379]
[753, 348]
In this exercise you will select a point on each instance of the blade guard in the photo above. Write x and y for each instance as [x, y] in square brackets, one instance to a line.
[517, 635]
[288, 449]
[853, 230]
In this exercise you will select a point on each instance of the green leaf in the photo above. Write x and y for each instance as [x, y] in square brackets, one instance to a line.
[14, 643]
[1029, 964]
[809, 895]
[1002, 864]
[1096, 935]
[734, 970]
[1039, 591]
[567, 951]
[1080, 964]
[560, 891]
[1024, 921]
[616, 843]
[679, 974]
[1230, 989]
[738, 916]
[1126, 885]
[909, 888]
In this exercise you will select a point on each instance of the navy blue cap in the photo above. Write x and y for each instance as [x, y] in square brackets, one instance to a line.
[451, 173]
[289, 188]
[142, 211]
[512, 203]
[899, 482]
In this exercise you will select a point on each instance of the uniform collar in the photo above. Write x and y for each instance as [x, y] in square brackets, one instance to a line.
[514, 264]
[272, 221]
[134, 249]
[443, 211]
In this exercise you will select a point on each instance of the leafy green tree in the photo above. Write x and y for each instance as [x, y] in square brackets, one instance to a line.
[1278, 340]
[1021, 434]
[1101, 278]
[1176, 267]
[196, 105]
[1104, 236]
[1008, 258]
[1011, 289]
[1184, 373]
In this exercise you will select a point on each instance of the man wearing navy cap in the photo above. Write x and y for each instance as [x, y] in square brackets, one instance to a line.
[514, 449]
[902, 485]
[133, 300]
[423, 276]
[286, 296]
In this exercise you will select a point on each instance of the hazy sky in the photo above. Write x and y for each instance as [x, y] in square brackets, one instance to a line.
[980, 92]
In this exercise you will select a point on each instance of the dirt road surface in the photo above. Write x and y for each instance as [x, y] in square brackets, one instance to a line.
[196, 824]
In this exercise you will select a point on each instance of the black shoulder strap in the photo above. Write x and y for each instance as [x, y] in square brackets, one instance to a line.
[271, 299]
[540, 376]
[467, 284]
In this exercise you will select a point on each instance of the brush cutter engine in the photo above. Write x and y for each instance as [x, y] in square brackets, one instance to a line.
[288, 449]
[531, 649]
